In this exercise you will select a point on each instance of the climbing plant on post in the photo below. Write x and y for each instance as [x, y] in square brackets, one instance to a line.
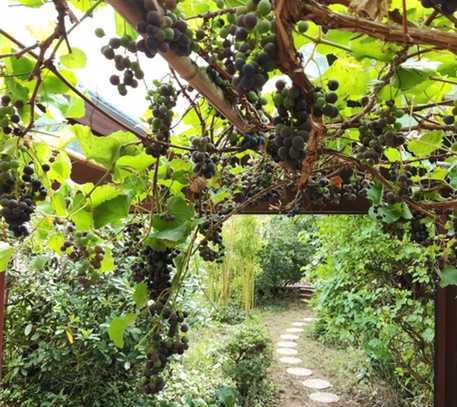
[325, 102]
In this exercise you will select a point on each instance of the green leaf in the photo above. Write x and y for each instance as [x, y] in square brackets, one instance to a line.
[6, 252]
[180, 209]
[107, 263]
[427, 144]
[375, 193]
[75, 109]
[103, 193]
[60, 168]
[111, 212]
[392, 154]
[453, 177]
[76, 59]
[55, 242]
[448, 276]
[32, 3]
[104, 150]
[83, 220]
[123, 27]
[140, 295]
[17, 90]
[128, 163]
[172, 235]
[118, 326]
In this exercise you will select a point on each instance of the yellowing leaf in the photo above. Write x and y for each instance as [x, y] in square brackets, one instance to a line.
[70, 338]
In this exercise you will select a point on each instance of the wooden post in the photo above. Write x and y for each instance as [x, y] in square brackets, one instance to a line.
[446, 347]
[2, 315]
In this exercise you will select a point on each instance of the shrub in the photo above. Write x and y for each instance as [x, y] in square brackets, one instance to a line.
[248, 357]
[57, 350]
[376, 292]
[282, 257]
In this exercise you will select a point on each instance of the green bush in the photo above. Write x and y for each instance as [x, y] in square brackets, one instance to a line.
[57, 350]
[376, 292]
[248, 357]
[282, 257]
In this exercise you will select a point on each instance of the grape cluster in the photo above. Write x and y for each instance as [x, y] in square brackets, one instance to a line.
[445, 6]
[163, 31]
[117, 50]
[419, 232]
[249, 66]
[292, 126]
[322, 190]
[211, 229]
[324, 103]
[252, 141]
[77, 250]
[202, 158]
[10, 119]
[254, 182]
[219, 81]
[162, 101]
[169, 338]
[18, 194]
[377, 134]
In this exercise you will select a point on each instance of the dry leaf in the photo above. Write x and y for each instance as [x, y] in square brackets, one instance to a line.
[372, 9]
[198, 185]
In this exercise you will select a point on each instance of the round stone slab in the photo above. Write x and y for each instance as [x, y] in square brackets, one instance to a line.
[289, 337]
[290, 360]
[309, 319]
[287, 351]
[324, 397]
[317, 384]
[286, 344]
[294, 330]
[299, 324]
[299, 371]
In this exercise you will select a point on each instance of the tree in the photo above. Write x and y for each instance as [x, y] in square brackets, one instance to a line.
[283, 256]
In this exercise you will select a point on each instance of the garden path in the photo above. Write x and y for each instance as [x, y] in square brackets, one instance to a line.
[306, 371]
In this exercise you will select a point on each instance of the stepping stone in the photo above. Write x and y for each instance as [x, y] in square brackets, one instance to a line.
[294, 330]
[290, 360]
[317, 384]
[289, 337]
[286, 344]
[324, 397]
[299, 371]
[287, 351]
[309, 319]
[299, 323]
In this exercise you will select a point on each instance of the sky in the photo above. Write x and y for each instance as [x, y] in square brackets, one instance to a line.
[28, 24]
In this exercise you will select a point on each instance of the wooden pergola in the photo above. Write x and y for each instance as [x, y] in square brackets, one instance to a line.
[445, 301]
[103, 123]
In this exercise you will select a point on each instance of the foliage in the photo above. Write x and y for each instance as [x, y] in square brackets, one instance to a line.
[282, 256]
[231, 283]
[357, 112]
[376, 293]
[59, 352]
[249, 355]
[57, 347]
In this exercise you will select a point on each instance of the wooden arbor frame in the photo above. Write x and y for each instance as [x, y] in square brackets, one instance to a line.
[103, 123]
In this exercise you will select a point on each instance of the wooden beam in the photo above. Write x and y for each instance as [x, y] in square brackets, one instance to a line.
[446, 347]
[187, 69]
[2, 317]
